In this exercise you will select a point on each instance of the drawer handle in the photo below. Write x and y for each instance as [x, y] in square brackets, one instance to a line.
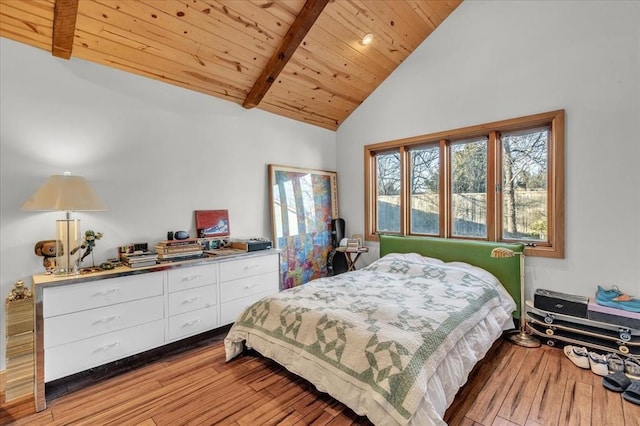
[190, 323]
[107, 319]
[250, 286]
[107, 347]
[107, 292]
[193, 299]
[192, 277]
[246, 268]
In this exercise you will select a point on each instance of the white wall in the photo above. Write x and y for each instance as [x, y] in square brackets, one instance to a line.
[153, 152]
[494, 60]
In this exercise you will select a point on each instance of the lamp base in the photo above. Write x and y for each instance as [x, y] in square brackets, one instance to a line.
[522, 338]
[68, 246]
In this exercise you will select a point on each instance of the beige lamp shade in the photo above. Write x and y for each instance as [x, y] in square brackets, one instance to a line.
[64, 193]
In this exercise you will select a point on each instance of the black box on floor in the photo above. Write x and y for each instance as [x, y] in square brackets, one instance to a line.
[561, 303]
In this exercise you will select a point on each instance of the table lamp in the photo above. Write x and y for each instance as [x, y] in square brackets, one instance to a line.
[65, 193]
[520, 337]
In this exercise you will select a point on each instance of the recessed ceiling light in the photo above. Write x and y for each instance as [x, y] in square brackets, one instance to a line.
[367, 39]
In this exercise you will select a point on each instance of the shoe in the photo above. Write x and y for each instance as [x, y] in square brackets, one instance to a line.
[614, 298]
[632, 393]
[615, 363]
[616, 382]
[632, 368]
[578, 355]
[598, 364]
[603, 295]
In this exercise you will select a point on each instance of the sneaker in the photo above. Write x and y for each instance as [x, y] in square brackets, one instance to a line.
[614, 298]
[615, 363]
[578, 355]
[632, 368]
[598, 364]
[603, 295]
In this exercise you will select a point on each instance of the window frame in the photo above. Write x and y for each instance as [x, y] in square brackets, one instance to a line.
[555, 248]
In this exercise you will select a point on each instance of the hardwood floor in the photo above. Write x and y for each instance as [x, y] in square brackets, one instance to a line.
[511, 386]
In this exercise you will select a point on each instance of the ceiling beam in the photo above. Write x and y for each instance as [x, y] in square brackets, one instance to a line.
[298, 31]
[64, 27]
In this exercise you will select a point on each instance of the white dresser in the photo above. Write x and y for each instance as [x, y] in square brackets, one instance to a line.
[245, 281]
[192, 301]
[86, 321]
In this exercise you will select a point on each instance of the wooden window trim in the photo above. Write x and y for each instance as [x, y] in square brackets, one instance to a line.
[445, 182]
[556, 194]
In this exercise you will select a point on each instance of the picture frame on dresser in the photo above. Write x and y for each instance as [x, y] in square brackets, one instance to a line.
[303, 203]
[212, 223]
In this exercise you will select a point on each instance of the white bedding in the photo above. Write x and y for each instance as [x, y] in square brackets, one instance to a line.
[267, 327]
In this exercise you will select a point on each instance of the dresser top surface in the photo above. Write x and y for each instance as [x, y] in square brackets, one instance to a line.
[47, 280]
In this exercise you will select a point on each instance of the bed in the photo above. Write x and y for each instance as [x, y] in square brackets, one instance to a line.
[395, 340]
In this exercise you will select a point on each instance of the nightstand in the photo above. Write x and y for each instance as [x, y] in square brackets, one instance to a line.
[349, 254]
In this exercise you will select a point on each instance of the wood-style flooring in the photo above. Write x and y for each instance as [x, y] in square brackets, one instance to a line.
[511, 386]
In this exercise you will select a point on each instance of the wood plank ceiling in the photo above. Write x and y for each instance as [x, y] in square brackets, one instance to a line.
[302, 59]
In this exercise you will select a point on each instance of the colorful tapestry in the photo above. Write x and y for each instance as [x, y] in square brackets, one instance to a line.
[303, 211]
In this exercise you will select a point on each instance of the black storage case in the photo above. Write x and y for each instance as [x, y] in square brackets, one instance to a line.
[561, 303]
[613, 316]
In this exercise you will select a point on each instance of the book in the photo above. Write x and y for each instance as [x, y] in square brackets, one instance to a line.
[182, 257]
[177, 249]
[141, 264]
[178, 255]
[173, 243]
[139, 259]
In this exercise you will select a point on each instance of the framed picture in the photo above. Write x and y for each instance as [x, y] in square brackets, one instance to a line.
[212, 223]
[303, 203]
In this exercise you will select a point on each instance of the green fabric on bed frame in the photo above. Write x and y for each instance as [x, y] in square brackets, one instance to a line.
[477, 253]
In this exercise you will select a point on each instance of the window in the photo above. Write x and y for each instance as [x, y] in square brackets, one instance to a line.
[500, 181]
[425, 190]
[469, 188]
[388, 191]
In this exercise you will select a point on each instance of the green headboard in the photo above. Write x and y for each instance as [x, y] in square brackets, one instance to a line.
[477, 253]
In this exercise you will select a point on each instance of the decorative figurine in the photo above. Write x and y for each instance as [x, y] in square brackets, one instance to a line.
[47, 249]
[89, 242]
[19, 292]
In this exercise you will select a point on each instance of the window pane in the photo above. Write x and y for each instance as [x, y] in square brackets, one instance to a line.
[388, 191]
[425, 198]
[524, 185]
[469, 188]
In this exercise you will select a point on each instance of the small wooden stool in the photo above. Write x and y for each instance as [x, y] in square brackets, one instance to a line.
[20, 344]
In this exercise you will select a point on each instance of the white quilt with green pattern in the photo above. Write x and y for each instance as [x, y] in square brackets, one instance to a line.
[384, 328]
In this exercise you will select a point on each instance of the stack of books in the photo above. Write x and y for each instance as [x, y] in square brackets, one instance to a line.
[139, 259]
[175, 250]
[353, 245]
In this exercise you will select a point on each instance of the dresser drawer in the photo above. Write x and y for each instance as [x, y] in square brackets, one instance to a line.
[241, 268]
[193, 322]
[192, 299]
[64, 360]
[78, 297]
[231, 290]
[68, 328]
[191, 277]
[229, 311]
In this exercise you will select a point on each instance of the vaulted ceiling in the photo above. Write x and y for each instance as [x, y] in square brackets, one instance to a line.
[302, 59]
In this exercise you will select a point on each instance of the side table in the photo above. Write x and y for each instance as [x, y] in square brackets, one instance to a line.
[349, 252]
